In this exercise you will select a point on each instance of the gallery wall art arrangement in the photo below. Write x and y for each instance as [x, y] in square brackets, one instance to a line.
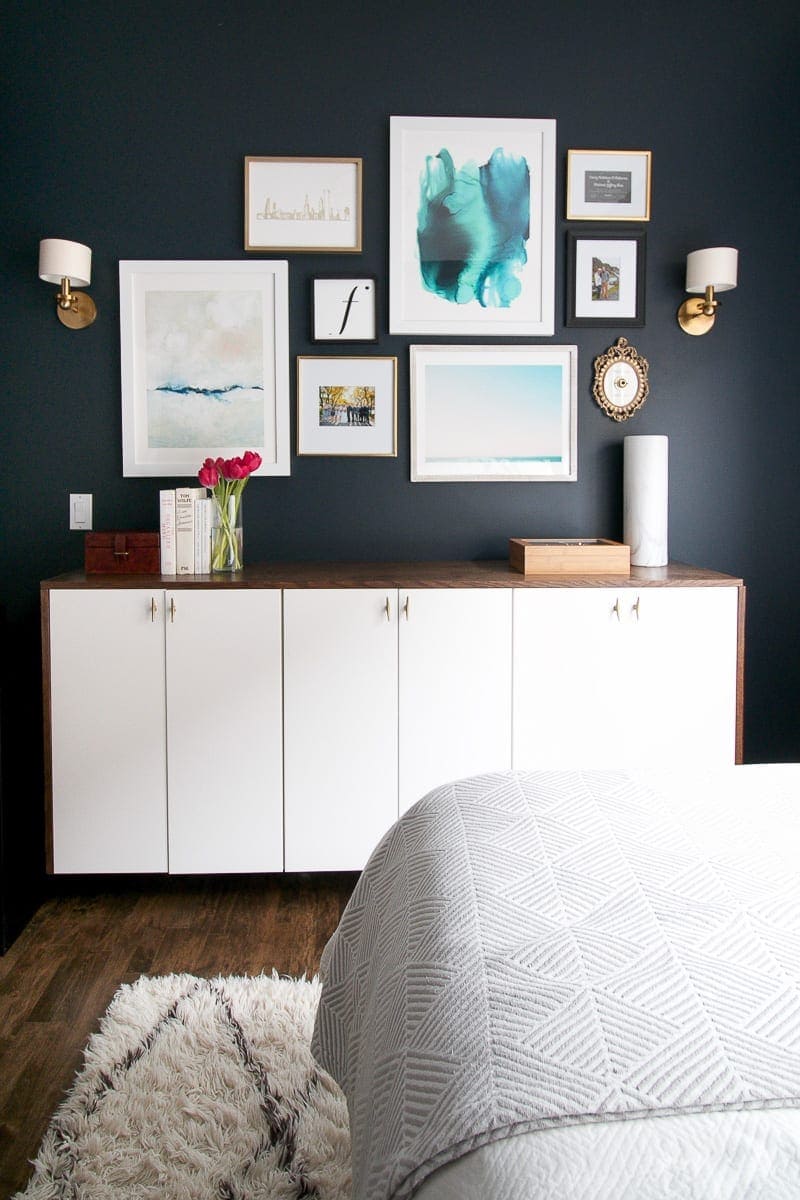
[472, 252]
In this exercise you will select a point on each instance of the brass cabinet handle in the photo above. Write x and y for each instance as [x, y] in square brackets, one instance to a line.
[406, 606]
[387, 608]
[172, 609]
[153, 609]
[615, 609]
[635, 608]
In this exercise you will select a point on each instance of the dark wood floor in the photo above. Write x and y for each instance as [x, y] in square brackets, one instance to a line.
[57, 979]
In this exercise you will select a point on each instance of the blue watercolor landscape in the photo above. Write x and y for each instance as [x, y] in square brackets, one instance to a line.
[205, 370]
[473, 224]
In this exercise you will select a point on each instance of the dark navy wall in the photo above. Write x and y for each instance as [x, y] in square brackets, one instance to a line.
[126, 127]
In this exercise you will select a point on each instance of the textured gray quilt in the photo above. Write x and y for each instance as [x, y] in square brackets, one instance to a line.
[531, 949]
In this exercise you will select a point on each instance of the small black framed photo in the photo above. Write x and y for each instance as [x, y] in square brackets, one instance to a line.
[605, 277]
[343, 309]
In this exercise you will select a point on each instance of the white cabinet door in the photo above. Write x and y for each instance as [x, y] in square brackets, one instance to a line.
[340, 733]
[455, 686]
[570, 668]
[683, 649]
[109, 786]
[224, 730]
[607, 677]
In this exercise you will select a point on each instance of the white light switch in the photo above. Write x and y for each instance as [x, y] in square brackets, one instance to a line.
[80, 510]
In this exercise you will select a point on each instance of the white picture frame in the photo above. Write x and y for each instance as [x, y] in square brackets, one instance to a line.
[608, 185]
[302, 204]
[489, 414]
[442, 170]
[347, 406]
[204, 364]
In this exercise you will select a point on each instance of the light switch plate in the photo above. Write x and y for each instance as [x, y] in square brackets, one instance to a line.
[80, 510]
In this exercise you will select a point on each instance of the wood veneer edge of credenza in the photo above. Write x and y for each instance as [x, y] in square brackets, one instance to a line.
[47, 729]
[432, 574]
[739, 750]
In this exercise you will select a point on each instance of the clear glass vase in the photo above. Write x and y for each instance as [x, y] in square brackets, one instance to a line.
[226, 534]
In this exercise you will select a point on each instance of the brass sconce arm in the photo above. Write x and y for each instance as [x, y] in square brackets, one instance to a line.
[65, 298]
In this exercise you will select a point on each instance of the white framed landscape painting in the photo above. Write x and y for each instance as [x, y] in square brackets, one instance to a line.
[493, 414]
[205, 364]
[472, 226]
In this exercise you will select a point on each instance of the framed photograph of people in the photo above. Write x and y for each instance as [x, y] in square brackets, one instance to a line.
[493, 413]
[472, 226]
[347, 406]
[309, 204]
[608, 185]
[605, 277]
[343, 309]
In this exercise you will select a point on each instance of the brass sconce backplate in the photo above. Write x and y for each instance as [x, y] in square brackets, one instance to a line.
[80, 313]
[692, 317]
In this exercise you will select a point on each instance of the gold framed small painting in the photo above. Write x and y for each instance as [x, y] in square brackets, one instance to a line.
[303, 204]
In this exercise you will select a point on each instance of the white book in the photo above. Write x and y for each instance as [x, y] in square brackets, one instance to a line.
[184, 528]
[202, 536]
[167, 530]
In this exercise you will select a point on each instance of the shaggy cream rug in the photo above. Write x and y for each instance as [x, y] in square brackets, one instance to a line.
[200, 1088]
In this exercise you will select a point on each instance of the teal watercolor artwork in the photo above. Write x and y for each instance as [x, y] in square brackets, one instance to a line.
[472, 226]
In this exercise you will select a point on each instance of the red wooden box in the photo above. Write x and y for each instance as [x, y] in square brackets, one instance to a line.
[122, 554]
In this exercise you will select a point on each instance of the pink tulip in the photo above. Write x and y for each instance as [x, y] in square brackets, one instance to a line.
[208, 475]
[232, 470]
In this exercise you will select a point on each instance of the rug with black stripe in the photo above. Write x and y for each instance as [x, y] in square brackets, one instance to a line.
[200, 1088]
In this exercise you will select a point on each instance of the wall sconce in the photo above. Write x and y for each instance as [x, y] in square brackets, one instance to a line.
[707, 271]
[68, 263]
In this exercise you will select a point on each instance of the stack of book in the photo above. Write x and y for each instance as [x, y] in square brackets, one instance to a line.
[185, 523]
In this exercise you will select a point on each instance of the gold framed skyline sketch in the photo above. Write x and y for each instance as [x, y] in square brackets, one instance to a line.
[302, 204]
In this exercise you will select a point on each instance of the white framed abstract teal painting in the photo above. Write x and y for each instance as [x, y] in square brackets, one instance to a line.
[493, 414]
[205, 364]
[472, 226]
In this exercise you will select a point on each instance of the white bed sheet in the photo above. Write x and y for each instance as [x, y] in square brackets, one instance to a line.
[748, 1155]
[730, 1155]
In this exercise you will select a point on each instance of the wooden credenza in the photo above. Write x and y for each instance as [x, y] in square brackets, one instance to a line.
[281, 719]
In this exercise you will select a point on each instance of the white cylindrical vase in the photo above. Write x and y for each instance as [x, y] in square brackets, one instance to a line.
[646, 499]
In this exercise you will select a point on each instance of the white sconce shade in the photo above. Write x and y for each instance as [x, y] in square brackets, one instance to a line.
[716, 267]
[707, 272]
[65, 260]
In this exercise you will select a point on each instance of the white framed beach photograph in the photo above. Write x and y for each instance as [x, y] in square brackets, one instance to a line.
[296, 204]
[472, 226]
[493, 413]
[205, 364]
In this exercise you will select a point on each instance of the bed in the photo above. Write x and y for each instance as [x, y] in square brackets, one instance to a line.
[568, 984]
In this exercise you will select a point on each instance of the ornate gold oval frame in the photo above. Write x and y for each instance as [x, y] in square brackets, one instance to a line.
[621, 352]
